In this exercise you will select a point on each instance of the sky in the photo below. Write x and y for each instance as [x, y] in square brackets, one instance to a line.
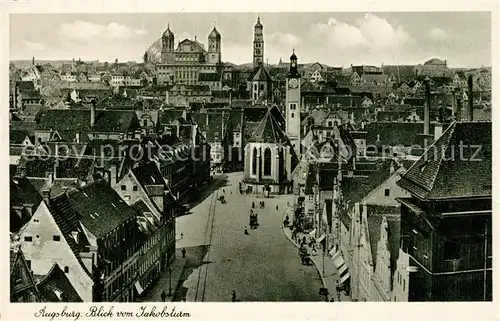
[336, 39]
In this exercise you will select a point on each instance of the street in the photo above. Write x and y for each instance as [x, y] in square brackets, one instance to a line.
[261, 266]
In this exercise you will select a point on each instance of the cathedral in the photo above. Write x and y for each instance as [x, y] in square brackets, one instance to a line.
[273, 150]
[184, 63]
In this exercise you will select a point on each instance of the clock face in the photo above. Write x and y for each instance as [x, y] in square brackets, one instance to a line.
[293, 83]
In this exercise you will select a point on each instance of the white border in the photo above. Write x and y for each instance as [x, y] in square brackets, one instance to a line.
[250, 311]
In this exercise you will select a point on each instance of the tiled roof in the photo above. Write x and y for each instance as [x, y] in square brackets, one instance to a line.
[56, 287]
[260, 74]
[394, 133]
[66, 167]
[101, 209]
[375, 215]
[79, 119]
[17, 136]
[209, 76]
[25, 85]
[268, 131]
[148, 174]
[22, 191]
[68, 221]
[278, 116]
[447, 170]
[354, 189]
[166, 117]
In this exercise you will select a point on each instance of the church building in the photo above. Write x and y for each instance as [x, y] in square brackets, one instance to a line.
[270, 156]
[259, 84]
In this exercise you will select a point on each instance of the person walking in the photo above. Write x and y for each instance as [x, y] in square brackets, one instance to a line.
[163, 296]
[246, 231]
[233, 296]
[183, 253]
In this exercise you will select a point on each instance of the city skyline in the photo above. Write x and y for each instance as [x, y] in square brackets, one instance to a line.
[462, 38]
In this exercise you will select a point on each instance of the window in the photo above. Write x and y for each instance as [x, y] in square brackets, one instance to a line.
[124, 187]
[28, 239]
[56, 238]
[254, 161]
[292, 115]
[404, 284]
[451, 250]
[387, 192]
[66, 269]
[134, 188]
[267, 161]
[293, 106]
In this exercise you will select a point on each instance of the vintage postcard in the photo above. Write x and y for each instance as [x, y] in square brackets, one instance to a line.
[339, 157]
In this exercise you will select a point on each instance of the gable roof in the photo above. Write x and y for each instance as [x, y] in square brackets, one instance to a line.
[375, 216]
[354, 189]
[260, 74]
[447, 171]
[268, 131]
[100, 208]
[79, 119]
[56, 287]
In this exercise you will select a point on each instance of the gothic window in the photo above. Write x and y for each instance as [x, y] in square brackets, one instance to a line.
[267, 161]
[281, 163]
[254, 161]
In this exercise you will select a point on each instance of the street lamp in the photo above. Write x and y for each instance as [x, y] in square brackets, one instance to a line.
[169, 281]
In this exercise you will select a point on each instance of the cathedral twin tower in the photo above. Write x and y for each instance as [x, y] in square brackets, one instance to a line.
[213, 54]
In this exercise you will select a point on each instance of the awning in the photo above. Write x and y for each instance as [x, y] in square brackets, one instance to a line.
[138, 287]
[321, 238]
[338, 260]
[344, 278]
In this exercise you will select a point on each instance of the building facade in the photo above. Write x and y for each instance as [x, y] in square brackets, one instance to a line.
[183, 64]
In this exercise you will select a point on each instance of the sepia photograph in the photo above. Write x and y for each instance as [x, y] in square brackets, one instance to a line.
[250, 157]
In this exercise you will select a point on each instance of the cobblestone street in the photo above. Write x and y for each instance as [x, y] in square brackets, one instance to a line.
[261, 266]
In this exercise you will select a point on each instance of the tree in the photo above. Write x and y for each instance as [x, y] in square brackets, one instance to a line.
[145, 57]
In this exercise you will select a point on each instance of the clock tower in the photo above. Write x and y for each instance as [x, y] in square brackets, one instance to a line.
[258, 44]
[292, 105]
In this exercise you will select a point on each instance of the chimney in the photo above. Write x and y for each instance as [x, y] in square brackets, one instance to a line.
[458, 116]
[427, 107]
[194, 38]
[391, 169]
[438, 131]
[92, 113]
[50, 177]
[46, 196]
[470, 116]
[454, 106]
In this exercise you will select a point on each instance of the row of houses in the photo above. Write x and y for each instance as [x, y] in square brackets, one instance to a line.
[401, 227]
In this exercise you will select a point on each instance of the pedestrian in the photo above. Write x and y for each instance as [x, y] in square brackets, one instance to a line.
[183, 253]
[163, 296]
[277, 208]
[253, 204]
[246, 231]
[184, 298]
[233, 296]
[224, 191]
